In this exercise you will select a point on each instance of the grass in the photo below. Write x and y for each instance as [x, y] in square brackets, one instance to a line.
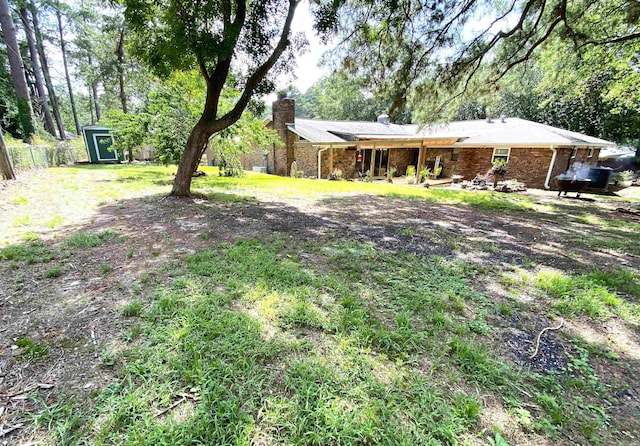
[282, 341]
[372, 349]
[84, 240]
[30, 252]
[132, 309]
[592, 294]
[31, 350]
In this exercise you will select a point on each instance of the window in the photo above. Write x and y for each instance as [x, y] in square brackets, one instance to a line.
[454, 155]
[574, 152]
[501, 154]
[590, 154]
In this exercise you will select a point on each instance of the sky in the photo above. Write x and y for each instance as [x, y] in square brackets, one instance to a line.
[307, 71]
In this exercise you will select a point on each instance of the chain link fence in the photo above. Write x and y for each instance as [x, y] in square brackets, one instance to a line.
[25, 156]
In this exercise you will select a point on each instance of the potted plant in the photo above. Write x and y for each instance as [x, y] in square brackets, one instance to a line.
[425, 172]
[390, 173]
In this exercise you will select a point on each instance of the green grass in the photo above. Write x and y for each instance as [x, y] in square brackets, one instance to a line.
[132, 309]
[592, 294]
[30, 252]
[366, 350]
[31, 350]
[54, 271]
[86, 240]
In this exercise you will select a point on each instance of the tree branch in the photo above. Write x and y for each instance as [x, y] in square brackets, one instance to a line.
[260, 72]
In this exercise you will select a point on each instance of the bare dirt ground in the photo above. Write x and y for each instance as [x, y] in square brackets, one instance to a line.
[77, 314]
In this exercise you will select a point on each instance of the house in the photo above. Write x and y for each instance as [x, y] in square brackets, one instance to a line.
[535, 152]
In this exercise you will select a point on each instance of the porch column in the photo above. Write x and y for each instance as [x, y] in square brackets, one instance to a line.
[372, 168]
[419, 166]
[330, 160]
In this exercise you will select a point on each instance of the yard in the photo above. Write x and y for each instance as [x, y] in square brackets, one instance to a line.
[290, 311]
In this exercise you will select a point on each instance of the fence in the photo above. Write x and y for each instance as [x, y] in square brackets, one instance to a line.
[27, 156]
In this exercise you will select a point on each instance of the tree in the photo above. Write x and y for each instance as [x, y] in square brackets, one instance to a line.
[340, 97]
[25, 112]
[45, 70]
[5, 162]
[63, 50]
[213, 36]
[37, 71]
[430, 53]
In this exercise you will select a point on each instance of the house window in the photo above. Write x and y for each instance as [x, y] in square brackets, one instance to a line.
[590, 154]
[501, 154]
[574, 152]
[454, 155]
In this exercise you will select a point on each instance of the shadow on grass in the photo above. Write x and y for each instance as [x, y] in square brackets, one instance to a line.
[262, 323]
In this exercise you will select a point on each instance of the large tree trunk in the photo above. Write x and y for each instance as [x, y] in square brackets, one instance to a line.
[190, 158]
[17, 71]
[63, 49]
[42, 96]
[45, 71]
[5, 163]
[120, 56]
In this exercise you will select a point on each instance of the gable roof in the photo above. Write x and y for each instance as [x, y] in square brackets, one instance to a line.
[507, 132]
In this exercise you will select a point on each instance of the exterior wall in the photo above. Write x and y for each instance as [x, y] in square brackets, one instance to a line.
[430, 154]
[252, 159]
[529, 165]
[345, 160]
[307, 160]
[401, 158]
[473, 161]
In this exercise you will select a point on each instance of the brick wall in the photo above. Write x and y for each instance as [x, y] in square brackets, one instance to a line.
[307, 160]
[283, 114]
[430, 154]
[472, 162]
[529, 165]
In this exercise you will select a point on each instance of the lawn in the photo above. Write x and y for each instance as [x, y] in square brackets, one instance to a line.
[289, 311]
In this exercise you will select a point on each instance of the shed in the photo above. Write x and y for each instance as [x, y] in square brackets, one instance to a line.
[98, 140]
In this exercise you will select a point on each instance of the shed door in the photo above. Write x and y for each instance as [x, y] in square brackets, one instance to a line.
[102, 143]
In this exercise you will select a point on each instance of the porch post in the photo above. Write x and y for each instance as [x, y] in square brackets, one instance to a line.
[330, 160]
[372, 168]
[419, 166]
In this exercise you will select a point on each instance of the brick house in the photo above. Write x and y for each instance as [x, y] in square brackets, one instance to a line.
[535, 152]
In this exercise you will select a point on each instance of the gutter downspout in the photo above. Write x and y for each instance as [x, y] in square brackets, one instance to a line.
[551, 164]
[320, 160]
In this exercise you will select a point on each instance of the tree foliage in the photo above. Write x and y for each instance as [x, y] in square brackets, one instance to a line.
[340, 97]
[429, 53]
[235, 44]
[170, 111]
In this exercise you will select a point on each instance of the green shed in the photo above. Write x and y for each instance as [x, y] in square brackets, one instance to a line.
[98, 141]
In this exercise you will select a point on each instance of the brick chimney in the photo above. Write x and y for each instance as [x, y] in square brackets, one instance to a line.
[284, 112]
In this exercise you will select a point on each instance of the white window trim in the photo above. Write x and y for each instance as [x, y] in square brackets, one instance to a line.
[97, 149]
[493, 157]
